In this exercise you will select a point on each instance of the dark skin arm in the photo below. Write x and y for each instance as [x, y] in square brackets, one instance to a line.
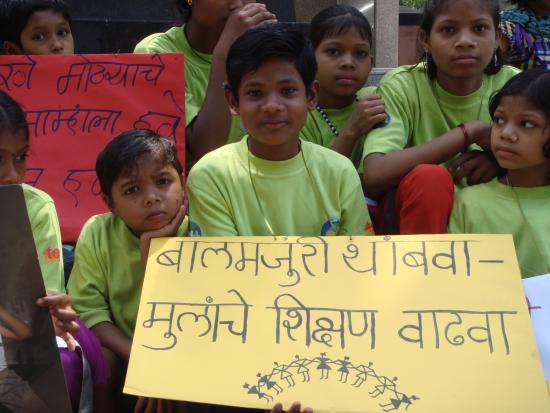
[15, 329]
[384, 171]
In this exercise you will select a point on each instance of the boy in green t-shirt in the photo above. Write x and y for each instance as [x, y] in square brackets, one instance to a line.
[271, 182]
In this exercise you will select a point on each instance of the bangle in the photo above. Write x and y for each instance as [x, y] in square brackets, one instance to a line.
[466, 137]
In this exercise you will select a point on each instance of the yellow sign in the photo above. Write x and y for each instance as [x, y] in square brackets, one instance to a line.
[342, 324]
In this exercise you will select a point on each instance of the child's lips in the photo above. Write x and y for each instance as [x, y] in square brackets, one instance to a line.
[503, 152]
[346, 80]
[156, 216]
[275, 124]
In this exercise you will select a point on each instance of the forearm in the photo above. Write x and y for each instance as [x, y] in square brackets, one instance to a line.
[344, 142]
[210, 128]
[15, 325]
[113, 338]
[384, 171]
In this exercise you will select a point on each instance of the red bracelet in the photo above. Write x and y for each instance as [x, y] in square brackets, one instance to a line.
[466, 137]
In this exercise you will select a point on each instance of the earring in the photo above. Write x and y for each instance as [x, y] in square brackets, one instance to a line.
[190, 2]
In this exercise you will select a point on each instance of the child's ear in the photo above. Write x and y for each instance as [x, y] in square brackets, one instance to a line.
[312, 95]
[11, 48]
[108, 201]
[424, 40]
[232, 101]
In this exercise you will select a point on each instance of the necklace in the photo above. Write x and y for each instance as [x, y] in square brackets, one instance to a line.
[327, 120]
[445, 117]
[260, 207]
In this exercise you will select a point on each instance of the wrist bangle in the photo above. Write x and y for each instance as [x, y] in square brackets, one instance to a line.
[466, 137]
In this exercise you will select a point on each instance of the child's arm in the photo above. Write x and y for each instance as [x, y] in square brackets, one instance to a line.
[368, 112]
[355, 219]
[384, 171]
[210, 128]
[63, 316]
[15, 328]
[114, 339]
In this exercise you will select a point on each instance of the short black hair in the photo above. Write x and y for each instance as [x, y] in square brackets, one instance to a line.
[533, 85]
[338, 19]
[12, 118]
[270, 41]
[122, 154]
[16, 13]
[432, 8]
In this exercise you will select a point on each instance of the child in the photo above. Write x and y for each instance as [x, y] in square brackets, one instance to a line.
[436, 110]
[271, 182]
[526, 34]
[36, 27]
[141, 182]
[519, 201]
[211, 27]
[346, 110]
[14, 146]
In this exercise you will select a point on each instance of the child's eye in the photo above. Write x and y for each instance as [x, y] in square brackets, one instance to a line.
[332, 51]
[526, 124]
[362, 53]
[254, 93]
[497, 120]
[21, 158]
[38, 37]
[448, 29]
[481, 28]
[131, 190]
[287, 91]
[164, 181]
[63, 32]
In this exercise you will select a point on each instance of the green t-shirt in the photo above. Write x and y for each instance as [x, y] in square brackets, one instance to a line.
[197, 73]
[47, 236]
[223, 201]
[492, 208]
[316, 129]
[420, 110]
[107, 276]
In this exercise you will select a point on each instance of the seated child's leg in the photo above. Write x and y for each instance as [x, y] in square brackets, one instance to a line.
[424, 200]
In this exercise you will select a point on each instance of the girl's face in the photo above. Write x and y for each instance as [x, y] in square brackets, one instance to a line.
[344, 63]
[519, 134]
[213, 14]
[13, 155]
[462, 40]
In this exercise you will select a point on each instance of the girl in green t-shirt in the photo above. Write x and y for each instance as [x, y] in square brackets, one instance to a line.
[436, 111]
[342, 38]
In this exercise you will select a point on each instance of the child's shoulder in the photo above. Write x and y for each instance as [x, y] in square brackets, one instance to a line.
[326, 158]
[103, 226]
[480, 194]
[220, 160]
[35, 196]
[171, 41]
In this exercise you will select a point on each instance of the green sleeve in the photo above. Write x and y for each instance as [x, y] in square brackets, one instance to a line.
[394, 135]
[355, 216]
[88, 285]
[47, 238]
[208, 209]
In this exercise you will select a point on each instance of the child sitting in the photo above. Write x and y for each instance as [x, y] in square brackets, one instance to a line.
[346, 110]
[210, 28]
[14, 147]
[141, 182]
[271, 182]
[36, 27]
[518, 202]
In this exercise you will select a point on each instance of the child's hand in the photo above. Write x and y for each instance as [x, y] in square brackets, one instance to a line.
[479, 167]
[295, 408]
[168, 230]
[479, 132]
[240, 20]
[368, 112]
[63, 316]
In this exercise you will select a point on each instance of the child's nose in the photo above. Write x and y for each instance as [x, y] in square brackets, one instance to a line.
[152, 198]
[509, 133]
[9, 175]
[56, 45]
[346, 61]
[272, 104]
[465, 39]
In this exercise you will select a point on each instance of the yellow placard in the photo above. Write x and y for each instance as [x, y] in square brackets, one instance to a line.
[342, 324]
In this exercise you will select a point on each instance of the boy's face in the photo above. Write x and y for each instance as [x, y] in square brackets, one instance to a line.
[273, 105]
[148, 197]
[46, 32]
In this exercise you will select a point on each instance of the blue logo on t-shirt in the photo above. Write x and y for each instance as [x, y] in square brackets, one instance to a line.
[194, 230]
[331, 227]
